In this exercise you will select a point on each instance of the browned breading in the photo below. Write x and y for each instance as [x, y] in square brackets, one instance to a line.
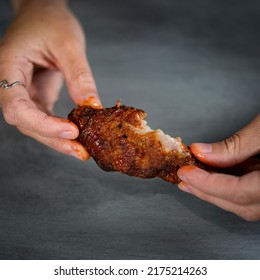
[118, 140]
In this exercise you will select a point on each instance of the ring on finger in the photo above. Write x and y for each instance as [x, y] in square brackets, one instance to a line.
[4, 84]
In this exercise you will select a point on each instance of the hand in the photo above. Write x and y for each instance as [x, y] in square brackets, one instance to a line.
[44, 44]
[239, 194]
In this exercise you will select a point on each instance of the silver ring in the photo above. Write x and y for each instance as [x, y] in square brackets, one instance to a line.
[4, 84]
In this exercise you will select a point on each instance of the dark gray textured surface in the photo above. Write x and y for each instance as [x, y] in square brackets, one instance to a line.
[194, 66]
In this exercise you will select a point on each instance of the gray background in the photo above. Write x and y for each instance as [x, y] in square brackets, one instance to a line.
[194, 66]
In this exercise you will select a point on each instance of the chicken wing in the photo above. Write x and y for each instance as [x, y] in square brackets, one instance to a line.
[119, 139]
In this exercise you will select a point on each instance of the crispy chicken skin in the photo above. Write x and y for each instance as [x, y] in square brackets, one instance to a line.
[119, 140]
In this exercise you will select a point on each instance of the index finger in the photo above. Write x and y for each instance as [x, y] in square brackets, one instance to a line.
[78, 76]
[19, 110]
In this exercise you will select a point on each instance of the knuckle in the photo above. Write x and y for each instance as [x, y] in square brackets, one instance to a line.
[9, 112]
[83, 76]
[9, 119]
[232, 144]
[85, 79]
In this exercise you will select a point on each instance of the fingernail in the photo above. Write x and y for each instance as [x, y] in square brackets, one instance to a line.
[96, 105]
[67, 135]
[186, 171]
[75, 154]
[90, 101]
[203, 147]
[183, 178]
[184, 187]
[79, 153]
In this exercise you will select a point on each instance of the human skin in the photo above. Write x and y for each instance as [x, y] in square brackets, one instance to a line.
[240, 193]
[44, 45]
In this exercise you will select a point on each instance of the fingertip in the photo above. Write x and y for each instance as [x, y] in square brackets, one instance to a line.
[85, 155]
[186, 169]
[184, 187]
[182, 173]
[74, 129]
[209, 154]
[92, 101]
[69, 131]
[201, 150]
[78, 151]
[67, 135]
[188, 173]
[195, 150]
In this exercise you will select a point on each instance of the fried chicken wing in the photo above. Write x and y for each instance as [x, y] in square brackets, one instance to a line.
[119, 139]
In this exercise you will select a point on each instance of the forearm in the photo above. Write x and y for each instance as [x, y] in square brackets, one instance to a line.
[19, 4]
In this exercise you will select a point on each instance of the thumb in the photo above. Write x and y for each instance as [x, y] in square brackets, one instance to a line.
[79, 78]
[234, 150]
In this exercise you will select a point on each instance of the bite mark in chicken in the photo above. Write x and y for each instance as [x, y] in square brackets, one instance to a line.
[119, 139]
